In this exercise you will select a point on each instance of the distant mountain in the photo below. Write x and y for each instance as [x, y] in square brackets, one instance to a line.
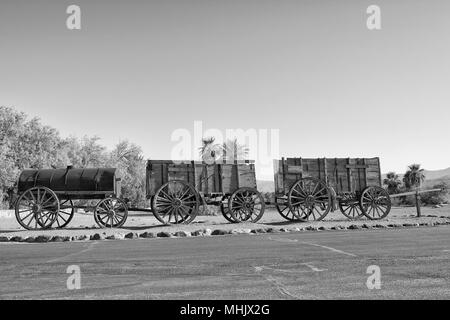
[437, 174]
[429, 183]
[431, 175]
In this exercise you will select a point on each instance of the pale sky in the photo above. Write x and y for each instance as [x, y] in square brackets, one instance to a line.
[139, 70]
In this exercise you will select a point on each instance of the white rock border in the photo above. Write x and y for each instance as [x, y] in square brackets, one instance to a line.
[218, 232]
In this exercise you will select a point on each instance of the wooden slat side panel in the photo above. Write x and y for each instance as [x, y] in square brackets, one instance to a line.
[180, 172]
[200, 178]
[311, 168]
[332, 174]
[343, 174]
[246, 176]
[210, 171]
[287, 172]
[155, 178]
[229, 181]
[207, 178]
[160, 172]
[278, 176]
[373, 172]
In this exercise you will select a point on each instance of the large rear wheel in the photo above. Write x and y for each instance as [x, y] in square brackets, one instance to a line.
[311, 197]
[36, 208]
[176, 202]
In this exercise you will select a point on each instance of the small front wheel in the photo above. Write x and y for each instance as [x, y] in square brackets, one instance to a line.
[282, 205]
[375, 203]
[65, 214]
[111, 213]
[350, 206]
[225, 211]
[246, 205]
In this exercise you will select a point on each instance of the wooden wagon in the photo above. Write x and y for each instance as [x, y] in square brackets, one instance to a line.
[178, 189]
[309, 188]
[48, 197]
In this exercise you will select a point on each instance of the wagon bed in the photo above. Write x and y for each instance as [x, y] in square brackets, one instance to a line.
[342, 174]
[47, 197]
[309, 188]
[226, 183]
[208, 179]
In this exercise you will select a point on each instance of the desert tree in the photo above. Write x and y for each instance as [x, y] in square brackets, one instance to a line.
[233, 150]
[414, 176]
[129, 161]
[92, 153]
[24, 143]
[392, 182]
[210, 151]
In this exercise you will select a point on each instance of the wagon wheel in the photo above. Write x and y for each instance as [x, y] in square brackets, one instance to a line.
[281, 203]
[350, 206]
[65, 214]
[225, 210]
[176, 202]
[375, 203]
[311, 197]
[246, 204]
[111, 213]
[35, 208]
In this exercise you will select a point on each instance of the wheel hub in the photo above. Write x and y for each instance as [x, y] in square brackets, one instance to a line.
[176, 203]
[37, 208]
[309, 201]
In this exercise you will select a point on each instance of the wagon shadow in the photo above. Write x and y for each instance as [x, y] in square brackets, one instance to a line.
[9, 231]
[176, 226]
[283, 223]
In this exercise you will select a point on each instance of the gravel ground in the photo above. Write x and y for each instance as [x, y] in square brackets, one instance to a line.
[83, 227]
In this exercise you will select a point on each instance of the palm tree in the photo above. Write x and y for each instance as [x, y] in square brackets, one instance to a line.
[233, 150]
[414, 176]
[210, 151]
[392, 182]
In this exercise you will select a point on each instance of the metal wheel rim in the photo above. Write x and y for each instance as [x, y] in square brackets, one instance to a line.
[375, 203]
[246, 204]
[38, 205]
[176, 202]
[111, 213]
[310, 196]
